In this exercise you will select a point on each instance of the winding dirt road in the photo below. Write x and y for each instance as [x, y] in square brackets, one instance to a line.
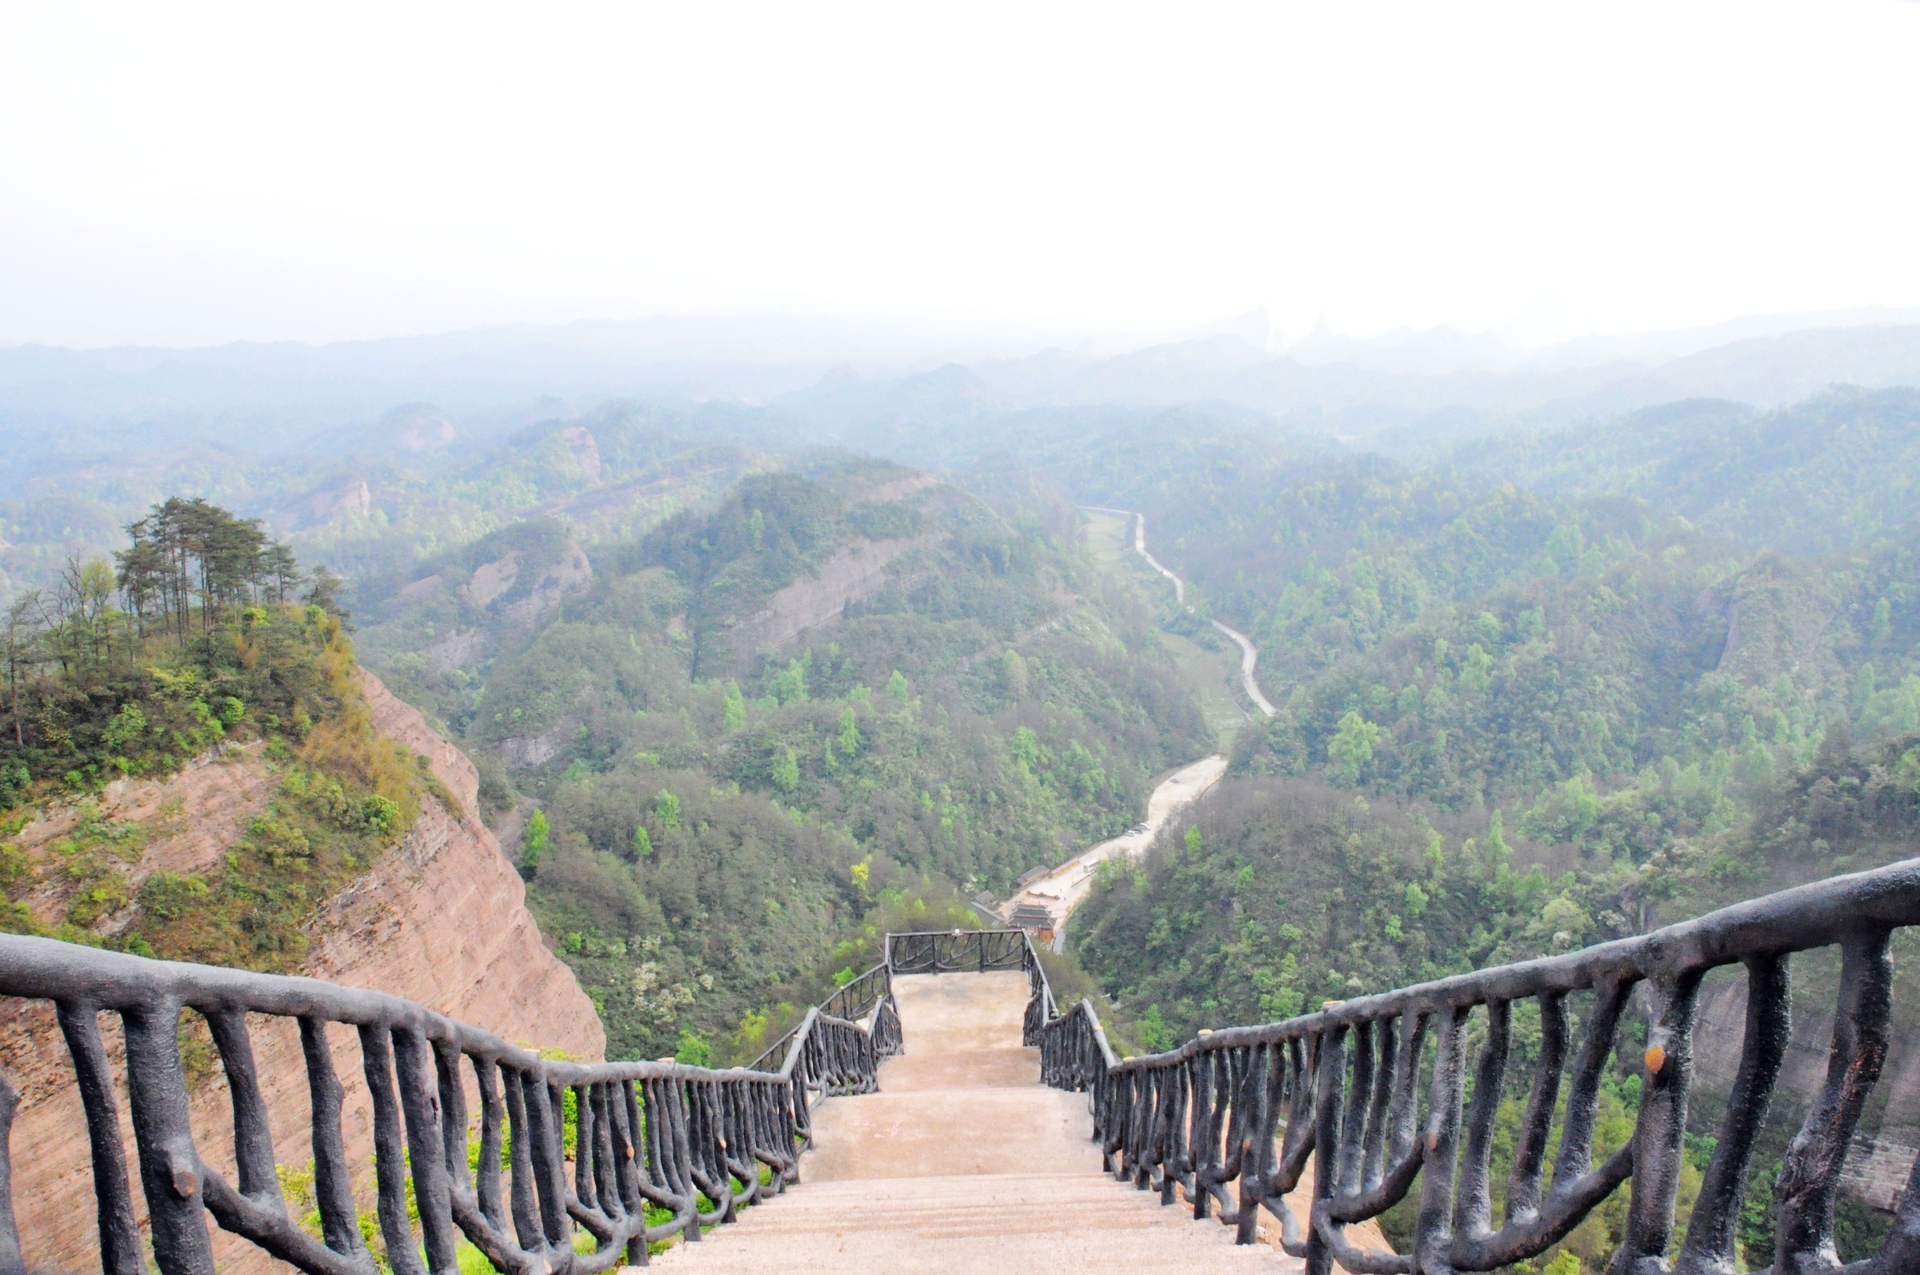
[1060, 891]
[1249, 656]
[1063, 889]
[1249, 653]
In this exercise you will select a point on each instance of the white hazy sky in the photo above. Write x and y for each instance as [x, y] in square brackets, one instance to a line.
[181, 174]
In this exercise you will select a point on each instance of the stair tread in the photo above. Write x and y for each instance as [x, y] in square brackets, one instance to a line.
[964, 1158]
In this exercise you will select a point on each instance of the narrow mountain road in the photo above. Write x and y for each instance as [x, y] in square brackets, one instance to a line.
[1249, 654]
[1060, 891]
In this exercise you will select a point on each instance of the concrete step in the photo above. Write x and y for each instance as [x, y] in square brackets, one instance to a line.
[968, 1222]
[964, 1161]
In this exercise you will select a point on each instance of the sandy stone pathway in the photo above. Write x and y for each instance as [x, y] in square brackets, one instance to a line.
[1063, 889]
[964, 1162]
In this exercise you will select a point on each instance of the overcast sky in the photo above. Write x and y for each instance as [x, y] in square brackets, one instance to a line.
[321, 172]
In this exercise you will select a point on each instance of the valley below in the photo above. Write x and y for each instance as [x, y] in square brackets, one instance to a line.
[673, 711]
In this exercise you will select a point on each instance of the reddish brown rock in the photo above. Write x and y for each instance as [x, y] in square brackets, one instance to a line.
[441, 920]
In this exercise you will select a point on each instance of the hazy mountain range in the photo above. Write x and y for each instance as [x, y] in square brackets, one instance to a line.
[847, 379]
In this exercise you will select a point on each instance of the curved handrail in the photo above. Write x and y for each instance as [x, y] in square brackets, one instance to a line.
[856, 999]
[1252, 1103]
[689, 1141]
[1244, 1104]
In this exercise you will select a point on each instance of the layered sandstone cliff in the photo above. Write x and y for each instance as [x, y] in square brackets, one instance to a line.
[441, 920]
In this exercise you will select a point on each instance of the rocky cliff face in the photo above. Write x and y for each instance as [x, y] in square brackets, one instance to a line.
[441, 920]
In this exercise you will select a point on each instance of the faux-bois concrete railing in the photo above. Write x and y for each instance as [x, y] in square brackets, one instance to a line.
[688, 1141]
[1377, 1085]
[1250, 1104]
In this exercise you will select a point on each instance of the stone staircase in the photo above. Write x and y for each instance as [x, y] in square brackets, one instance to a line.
[964, 1161]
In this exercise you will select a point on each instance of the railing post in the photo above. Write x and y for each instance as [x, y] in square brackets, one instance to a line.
[170, 1171]
[10, 1263]
[113, 1202]
[1659, 1135]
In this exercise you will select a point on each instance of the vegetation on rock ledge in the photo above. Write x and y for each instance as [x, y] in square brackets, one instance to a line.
[204, 653]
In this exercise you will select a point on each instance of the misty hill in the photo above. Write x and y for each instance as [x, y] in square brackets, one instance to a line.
[1833, 472]
[59, 404]
[1398, 395]
[385, 499]
[915, 392]
[745, 728]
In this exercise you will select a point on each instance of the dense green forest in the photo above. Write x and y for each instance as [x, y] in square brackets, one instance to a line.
[839, 686]
[1541, 692]
[1443, 636]
[1572, 671]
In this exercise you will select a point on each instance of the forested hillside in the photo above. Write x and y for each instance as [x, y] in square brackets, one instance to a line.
[373, 503]
[1562, 689]
[843, 686]
[1443, 636]
[1614, 678]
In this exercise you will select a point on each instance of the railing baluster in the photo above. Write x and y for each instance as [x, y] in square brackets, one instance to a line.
[1349, 1163]
[453, 1117]
[426, 1143]
[1583, 1099]
[487, 1173]
[679, 1150]
[1301, 1133]
[1403, 1114]
[606, 1189]
[389, 1157]
[583, 1180]
[252, 1133]
[1710, 1242]
[1328, 1087]
[1374, 1152]
[119, 1237]
[1530, 1152]
[528, 1228]
[170, 1169]
[628, 1167]
[1473, 1208]
[332, 1185]
[1433, 1228]
[1811, 1173]
[546, 1116]
[1256, 1144]
[1660, 1137]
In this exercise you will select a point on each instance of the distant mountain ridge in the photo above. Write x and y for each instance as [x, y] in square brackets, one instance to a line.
[838, 377]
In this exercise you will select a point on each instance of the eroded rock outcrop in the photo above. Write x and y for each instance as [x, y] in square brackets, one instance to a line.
[440, 920]
[856, 572]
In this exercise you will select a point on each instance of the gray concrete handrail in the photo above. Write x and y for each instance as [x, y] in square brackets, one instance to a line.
[686, 1143]
[1251, 1104]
